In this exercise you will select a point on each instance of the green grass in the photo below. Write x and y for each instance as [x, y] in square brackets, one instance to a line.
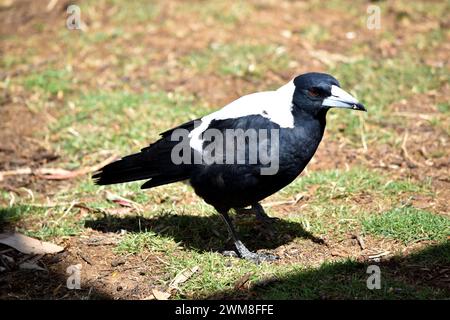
[182, 230]
[11, 214]
[49, 81]
[332, 280]
[43, 223]
[220, 12]
[137, 242]
[121, 121]
[408, 224]
[315, 33]
[342, 280]
[444, 107]
[239, 60]
[9, 61]
[126, 12]
[334, 184]
[378, 84]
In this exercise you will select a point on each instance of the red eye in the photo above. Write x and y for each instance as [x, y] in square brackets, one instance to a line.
[313, 92]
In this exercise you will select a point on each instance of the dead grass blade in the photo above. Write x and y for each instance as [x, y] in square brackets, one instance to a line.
[406, 154]
[182, 277]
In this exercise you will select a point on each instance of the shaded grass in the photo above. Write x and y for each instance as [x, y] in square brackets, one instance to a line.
[10, 215]
[332, 280]
[41, 222]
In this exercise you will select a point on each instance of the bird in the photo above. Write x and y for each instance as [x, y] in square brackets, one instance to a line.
[215, 154]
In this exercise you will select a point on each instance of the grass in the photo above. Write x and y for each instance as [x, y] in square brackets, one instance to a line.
[136, 243]
[221, 12]
[343, 280]
[10, 215]
[43, 223]
[333, 184]
[49, 81]
[391, 79]
[239, 60]
[444, 107]
[102, 113]
[120, 121]
[408, 224]
[338, 280]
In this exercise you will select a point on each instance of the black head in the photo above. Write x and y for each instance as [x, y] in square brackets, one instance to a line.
[316, 92]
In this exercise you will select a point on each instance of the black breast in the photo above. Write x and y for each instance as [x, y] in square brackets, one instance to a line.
[234, 185]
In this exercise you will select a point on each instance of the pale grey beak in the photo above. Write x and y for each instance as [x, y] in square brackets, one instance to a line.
[341, 99]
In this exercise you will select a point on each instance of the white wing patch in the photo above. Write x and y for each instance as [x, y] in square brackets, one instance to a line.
[273, 105]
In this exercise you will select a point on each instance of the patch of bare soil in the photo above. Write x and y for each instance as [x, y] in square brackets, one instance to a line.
[21, 148]
[26, 16]
[103, 274]
[422, 152]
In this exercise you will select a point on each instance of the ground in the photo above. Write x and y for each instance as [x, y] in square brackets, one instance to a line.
[375, 193]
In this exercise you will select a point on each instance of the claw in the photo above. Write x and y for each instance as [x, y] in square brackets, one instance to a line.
[252, 256]
[260, 257]
[230, 253]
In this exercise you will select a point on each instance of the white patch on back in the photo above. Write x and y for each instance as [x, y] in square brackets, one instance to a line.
[273, 105]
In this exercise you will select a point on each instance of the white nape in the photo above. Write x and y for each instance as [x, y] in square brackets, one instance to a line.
[273, 105]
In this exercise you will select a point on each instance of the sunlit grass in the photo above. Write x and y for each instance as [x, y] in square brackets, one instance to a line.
[240, 60]
[408, 224]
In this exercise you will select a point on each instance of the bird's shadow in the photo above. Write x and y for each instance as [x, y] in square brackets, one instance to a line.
[207, 233]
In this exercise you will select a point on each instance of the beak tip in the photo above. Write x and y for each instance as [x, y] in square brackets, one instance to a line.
[360, 107]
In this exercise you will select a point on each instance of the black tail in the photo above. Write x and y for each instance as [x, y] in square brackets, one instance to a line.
[153, 162]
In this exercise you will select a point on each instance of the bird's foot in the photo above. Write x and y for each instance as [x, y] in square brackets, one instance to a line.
[260, 257]
[252, 256]
[246, 254]
[230, 253]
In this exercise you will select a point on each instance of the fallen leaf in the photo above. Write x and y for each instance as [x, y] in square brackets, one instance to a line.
[159, 295]
[28, 245]
[182, 277]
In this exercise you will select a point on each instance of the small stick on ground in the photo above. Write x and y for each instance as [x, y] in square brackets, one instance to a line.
[405, 151]
[360, 241]
[363, 135]
[56, 173]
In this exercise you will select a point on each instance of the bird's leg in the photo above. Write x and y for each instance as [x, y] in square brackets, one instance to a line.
[261, 215]
[259, 212]
[242, 250]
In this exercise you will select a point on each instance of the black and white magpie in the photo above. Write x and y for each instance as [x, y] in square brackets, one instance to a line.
[294, 114]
